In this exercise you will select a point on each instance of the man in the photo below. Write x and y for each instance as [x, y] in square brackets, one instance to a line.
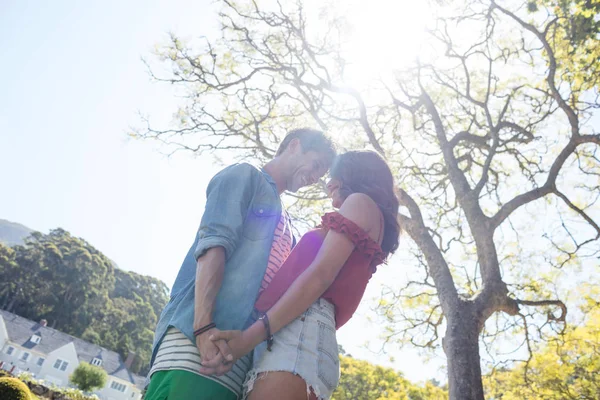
[244, 236]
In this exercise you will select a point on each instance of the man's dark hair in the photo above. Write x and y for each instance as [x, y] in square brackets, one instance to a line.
[310, 139]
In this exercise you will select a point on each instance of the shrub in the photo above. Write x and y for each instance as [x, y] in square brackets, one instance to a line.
[26, 377]
[88, 377]
[14, 389]
[76, 394]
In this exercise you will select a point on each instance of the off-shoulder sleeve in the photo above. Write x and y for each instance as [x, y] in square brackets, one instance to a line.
[361, 239]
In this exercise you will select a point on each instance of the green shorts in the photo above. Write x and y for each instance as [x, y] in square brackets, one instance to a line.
[183, 385]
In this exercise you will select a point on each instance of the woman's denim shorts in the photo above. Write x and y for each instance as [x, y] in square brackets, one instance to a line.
[306, 347]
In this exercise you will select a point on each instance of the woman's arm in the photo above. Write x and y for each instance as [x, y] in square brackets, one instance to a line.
[317, 278]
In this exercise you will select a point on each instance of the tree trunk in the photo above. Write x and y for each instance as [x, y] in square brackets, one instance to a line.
[461, 345]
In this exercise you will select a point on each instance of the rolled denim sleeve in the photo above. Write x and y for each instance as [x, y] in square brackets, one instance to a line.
[228, 199]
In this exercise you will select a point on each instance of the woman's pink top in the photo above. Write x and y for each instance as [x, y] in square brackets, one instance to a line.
[349, 286]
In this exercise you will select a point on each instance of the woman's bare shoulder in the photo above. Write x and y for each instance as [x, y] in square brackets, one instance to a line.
[363, 211]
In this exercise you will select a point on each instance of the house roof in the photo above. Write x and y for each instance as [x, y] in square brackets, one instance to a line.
[20, 329]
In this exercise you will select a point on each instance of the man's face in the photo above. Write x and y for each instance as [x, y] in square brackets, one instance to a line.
[306, 168]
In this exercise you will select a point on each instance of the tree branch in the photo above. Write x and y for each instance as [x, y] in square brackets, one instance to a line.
[544, 303]
[579, 211]
[571, 114]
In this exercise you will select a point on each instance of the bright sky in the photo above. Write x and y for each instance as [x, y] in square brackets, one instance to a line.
[71, 85]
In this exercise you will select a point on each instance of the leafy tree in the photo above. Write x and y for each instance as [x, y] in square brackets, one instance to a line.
[10, 274]
[566, 369]
[91, 336]
[60, 278]
[76, 288]
[342, 351]
[88, 377]
[133, 286]
[489, 132]
[361, 380]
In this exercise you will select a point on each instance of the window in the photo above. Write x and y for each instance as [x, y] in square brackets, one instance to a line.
[61, 365]
[35, 339]
[97, 362]
[10, 350]
[41, 361]
[25, 356]
[118, 386]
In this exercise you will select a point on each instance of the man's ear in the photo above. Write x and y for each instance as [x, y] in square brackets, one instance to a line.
[294, 146]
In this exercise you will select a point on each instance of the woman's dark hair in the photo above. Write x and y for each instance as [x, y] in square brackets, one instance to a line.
[367, 172]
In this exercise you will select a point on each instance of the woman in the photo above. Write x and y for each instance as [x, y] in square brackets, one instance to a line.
[320, 285]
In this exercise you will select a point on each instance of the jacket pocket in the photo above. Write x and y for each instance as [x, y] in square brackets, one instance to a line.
[260, 221]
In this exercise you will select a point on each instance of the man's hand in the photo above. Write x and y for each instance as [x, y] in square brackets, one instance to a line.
[209, 275]
[236, 346]
[216, 356]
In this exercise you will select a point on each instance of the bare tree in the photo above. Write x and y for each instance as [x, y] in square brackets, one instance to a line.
[496, 115]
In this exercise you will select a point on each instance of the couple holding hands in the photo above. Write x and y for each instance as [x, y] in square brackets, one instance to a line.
[252, 313]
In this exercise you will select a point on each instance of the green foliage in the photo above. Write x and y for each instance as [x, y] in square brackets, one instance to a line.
[488, 129]
[54, 391]
[566, 369]
[13, 389]
[75, 394]
[26, 377]
[76, 288]
[88, 377]
[361, 380]
[575, 40]
[578, 17]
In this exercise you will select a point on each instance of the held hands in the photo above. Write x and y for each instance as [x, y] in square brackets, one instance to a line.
[222, 349]
[216, 356]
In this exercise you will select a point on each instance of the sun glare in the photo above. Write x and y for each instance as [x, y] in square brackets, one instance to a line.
[386, 35]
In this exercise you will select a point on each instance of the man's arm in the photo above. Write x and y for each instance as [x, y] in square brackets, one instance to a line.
[228, 198]
[209, 276]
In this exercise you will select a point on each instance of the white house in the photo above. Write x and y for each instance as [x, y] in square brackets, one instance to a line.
[52, 355]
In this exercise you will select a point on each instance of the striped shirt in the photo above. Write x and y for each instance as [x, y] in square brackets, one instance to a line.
[176, 351]
[280, 249]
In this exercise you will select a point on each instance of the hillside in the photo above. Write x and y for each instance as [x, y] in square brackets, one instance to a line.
[12, 233]
[78, 290]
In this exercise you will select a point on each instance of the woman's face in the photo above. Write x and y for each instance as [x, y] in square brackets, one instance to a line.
[333, 188]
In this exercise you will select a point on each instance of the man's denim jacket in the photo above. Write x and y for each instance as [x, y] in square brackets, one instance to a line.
[242, 211]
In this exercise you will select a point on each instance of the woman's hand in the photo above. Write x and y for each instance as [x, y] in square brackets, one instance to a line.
[235, 340]
[217, 352]
[238, 345]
